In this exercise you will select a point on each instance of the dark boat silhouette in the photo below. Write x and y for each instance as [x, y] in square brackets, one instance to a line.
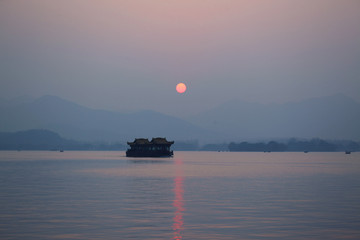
[157, 147]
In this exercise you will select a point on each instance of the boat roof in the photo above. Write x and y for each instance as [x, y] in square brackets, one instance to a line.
[145, 141]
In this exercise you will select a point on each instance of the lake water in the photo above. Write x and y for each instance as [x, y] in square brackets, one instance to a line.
[194, 195]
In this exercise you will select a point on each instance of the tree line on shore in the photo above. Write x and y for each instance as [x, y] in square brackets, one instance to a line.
[293, 145]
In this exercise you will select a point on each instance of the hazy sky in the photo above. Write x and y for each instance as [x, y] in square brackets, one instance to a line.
[130, 54]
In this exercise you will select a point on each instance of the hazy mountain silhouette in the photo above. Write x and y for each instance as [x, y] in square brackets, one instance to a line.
[73, 121]
[33, 136]
[332, 117]
[41, 139]
[34, 139]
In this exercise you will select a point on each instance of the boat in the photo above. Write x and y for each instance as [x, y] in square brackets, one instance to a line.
[348, 152]
[157, 147]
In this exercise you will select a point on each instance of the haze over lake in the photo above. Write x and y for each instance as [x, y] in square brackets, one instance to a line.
[127, 54]
[195, 195]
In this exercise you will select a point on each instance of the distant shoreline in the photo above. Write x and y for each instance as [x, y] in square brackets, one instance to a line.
[45, 140]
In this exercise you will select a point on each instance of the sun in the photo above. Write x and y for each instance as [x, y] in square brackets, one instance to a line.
[181, 88]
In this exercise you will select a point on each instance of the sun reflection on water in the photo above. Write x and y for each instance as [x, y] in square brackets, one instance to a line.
[178, 200]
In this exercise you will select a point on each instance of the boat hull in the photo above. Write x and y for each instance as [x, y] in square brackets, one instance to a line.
[130, 153]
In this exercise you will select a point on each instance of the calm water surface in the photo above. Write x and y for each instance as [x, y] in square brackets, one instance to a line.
[195, 195]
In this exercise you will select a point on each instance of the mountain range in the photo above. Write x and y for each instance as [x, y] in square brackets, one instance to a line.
[77, 122]
[332, 117]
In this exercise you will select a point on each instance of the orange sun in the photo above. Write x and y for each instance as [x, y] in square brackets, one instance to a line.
[181, 88]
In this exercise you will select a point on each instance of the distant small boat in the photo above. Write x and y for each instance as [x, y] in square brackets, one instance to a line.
[61, 150]
[306, 151]
[348, 152]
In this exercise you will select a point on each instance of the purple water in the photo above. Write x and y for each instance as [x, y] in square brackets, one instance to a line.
[195, 195]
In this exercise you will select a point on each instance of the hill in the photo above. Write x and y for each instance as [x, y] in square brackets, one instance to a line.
[41, 139]
[35, 139]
